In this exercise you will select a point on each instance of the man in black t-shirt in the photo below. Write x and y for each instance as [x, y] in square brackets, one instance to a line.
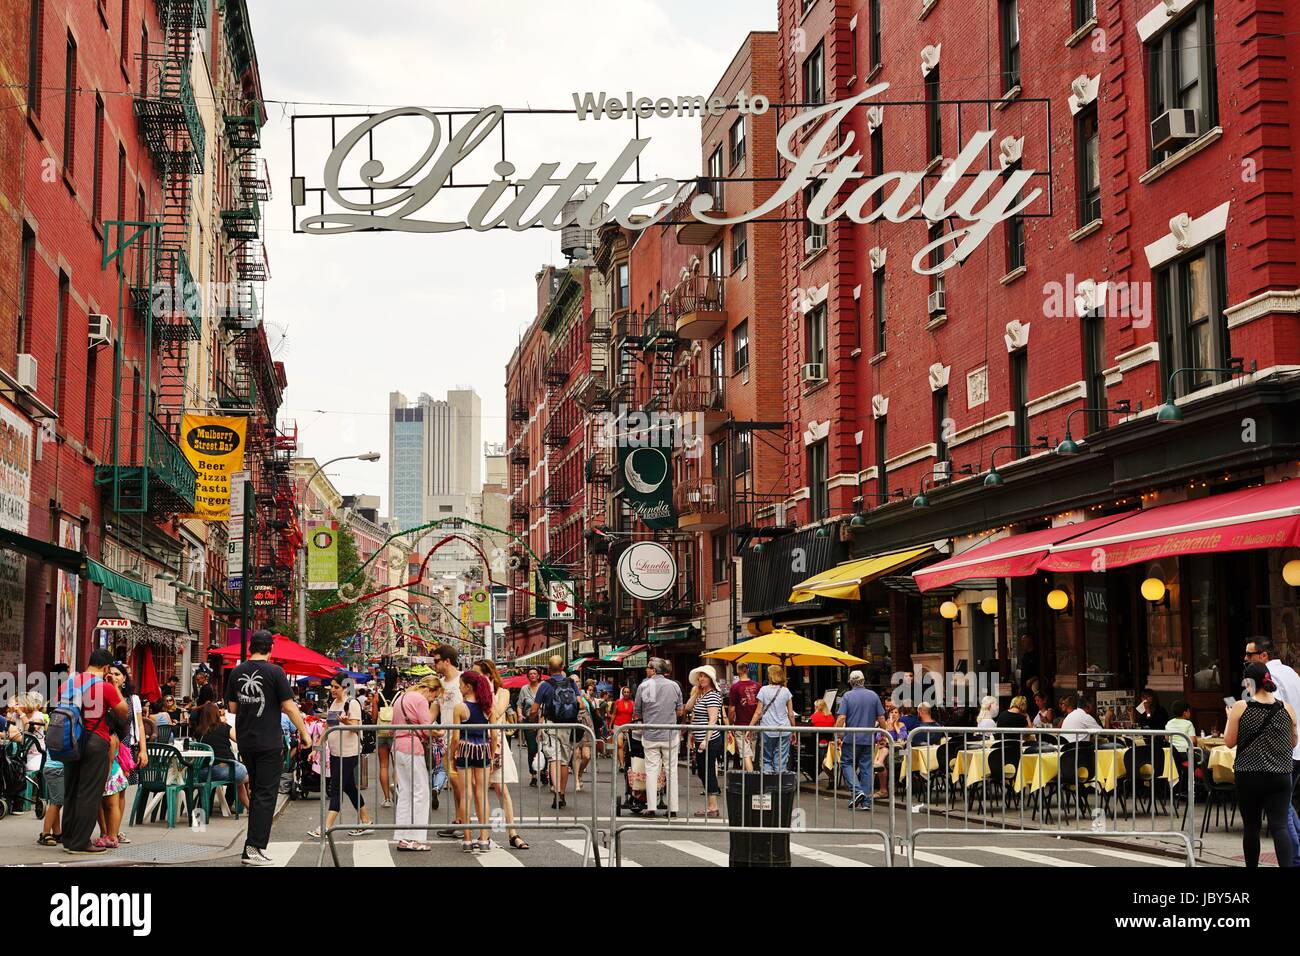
[257, 692]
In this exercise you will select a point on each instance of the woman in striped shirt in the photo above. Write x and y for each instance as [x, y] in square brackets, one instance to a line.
[705, 706]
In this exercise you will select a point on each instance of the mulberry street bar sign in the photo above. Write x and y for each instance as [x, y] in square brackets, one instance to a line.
[816, 143]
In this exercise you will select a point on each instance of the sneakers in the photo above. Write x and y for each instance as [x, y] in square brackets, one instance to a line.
[386, 803]
[253, 856]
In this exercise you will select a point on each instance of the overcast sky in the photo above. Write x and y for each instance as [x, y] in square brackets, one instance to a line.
[366, 314]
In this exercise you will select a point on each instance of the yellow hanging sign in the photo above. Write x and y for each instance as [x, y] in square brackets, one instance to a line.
[214, 447]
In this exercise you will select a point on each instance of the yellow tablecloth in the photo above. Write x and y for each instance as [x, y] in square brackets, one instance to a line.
[918, 760]
[1110, 767]
[1037, 771]
[973, 764]
[1222, 760]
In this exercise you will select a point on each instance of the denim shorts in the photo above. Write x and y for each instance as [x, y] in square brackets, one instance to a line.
[53, 777]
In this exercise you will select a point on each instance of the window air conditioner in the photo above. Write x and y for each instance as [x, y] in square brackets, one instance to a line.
[814, 243]
[1173, 128]
[813, 372]
[101, 329]
[27, 367]
[936, 302]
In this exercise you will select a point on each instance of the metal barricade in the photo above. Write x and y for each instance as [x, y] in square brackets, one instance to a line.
[816, 805]
[401, 791]
[1081, 784]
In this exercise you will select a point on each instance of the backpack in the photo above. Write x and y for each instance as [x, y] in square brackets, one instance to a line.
[67, 724]
[562, 706]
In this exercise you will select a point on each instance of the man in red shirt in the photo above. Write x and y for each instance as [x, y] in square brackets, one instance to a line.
[84, 779]
[742, 701]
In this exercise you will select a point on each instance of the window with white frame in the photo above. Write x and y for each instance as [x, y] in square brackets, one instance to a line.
[1191, 294]
[736, 142]
[1181, 72]
[814, 76]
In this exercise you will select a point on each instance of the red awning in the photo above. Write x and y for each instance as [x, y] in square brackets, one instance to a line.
[1266, 516]
[1016, 556]
[292, 656]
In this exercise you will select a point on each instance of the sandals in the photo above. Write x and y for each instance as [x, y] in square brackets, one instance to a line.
[314, 833]
[517, 842]
[121, 838]
[104, 843]
[413, 845]
[49, 839]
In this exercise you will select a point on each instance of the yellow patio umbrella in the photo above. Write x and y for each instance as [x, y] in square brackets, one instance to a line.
[786, 648]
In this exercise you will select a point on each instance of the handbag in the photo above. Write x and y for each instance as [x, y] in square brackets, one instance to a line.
[385, 709]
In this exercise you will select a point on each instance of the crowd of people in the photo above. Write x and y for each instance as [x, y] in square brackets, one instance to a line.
[261, 712]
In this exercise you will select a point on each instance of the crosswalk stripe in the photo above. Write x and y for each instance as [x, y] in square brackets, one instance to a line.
[372, 853]
[606, 858]
[1040, 858]
[282, 853]
[1150, 859]
[821, 856]
[498, 857]
[938, 859]
[698, 850]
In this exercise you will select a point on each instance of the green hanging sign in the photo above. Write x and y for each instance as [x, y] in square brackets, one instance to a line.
[647, 478]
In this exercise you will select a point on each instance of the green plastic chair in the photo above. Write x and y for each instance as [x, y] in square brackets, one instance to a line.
[201, 783]
[153, 778]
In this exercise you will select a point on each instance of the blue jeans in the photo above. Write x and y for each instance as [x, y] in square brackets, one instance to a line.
[856, 766]
[222, 772]
[776, 753]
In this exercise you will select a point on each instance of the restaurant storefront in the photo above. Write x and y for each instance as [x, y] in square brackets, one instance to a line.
[1146, 558]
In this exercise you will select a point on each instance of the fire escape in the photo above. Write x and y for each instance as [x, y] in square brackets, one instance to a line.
[149, 473]
[520, 509]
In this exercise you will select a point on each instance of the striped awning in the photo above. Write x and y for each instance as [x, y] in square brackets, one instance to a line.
[540, 657]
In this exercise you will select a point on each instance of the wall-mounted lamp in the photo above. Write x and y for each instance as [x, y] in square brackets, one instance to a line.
[1170, 413]
[1068, 445]
[950, 611]
[989, 606]
[1291, 573]
[1154, 591]
[1058, 599]
[993, 479]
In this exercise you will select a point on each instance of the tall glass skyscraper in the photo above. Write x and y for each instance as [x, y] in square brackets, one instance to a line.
[434, 451]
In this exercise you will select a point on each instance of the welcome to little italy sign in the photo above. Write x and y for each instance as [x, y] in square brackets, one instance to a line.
[972, 200]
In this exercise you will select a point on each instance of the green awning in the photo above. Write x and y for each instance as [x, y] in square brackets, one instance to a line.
[63, 558]
[117, 583]
[168, 617]
[635, 660]
[114, 606]
[668, 634]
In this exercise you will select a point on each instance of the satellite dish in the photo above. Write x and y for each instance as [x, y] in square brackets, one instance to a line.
[277, 339]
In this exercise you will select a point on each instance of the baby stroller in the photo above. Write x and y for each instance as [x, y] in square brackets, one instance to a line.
[20, 789]
[634, 798]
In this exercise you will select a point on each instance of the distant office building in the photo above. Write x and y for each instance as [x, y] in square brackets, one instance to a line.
[434, 450]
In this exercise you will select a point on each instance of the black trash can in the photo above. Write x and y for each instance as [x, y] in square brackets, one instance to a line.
[760, 800]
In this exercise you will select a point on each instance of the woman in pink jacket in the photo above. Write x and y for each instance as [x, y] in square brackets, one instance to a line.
[413, 706]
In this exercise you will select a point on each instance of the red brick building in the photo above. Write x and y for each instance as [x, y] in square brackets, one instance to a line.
[134, 124]
[1168, 244]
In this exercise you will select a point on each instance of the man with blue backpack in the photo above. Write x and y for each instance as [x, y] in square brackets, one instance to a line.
[557, 702]
[78, 735]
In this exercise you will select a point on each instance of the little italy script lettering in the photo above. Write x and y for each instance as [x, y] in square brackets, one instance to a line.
[823, 159]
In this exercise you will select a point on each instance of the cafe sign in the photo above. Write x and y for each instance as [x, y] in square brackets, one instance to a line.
[816, 142]
[646, 571]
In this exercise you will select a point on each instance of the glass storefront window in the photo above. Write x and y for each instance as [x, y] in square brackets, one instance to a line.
[1283, 608]
[1096, 632]
[1067, 660]
[934, 630]
[1204, 623]
[1164, 641]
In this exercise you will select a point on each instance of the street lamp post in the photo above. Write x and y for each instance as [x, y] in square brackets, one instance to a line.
[302, 527]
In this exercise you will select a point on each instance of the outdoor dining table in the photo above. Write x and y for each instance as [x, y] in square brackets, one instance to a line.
[972, 763]
[1221, 762]
[1037, 770]
[922, 760]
